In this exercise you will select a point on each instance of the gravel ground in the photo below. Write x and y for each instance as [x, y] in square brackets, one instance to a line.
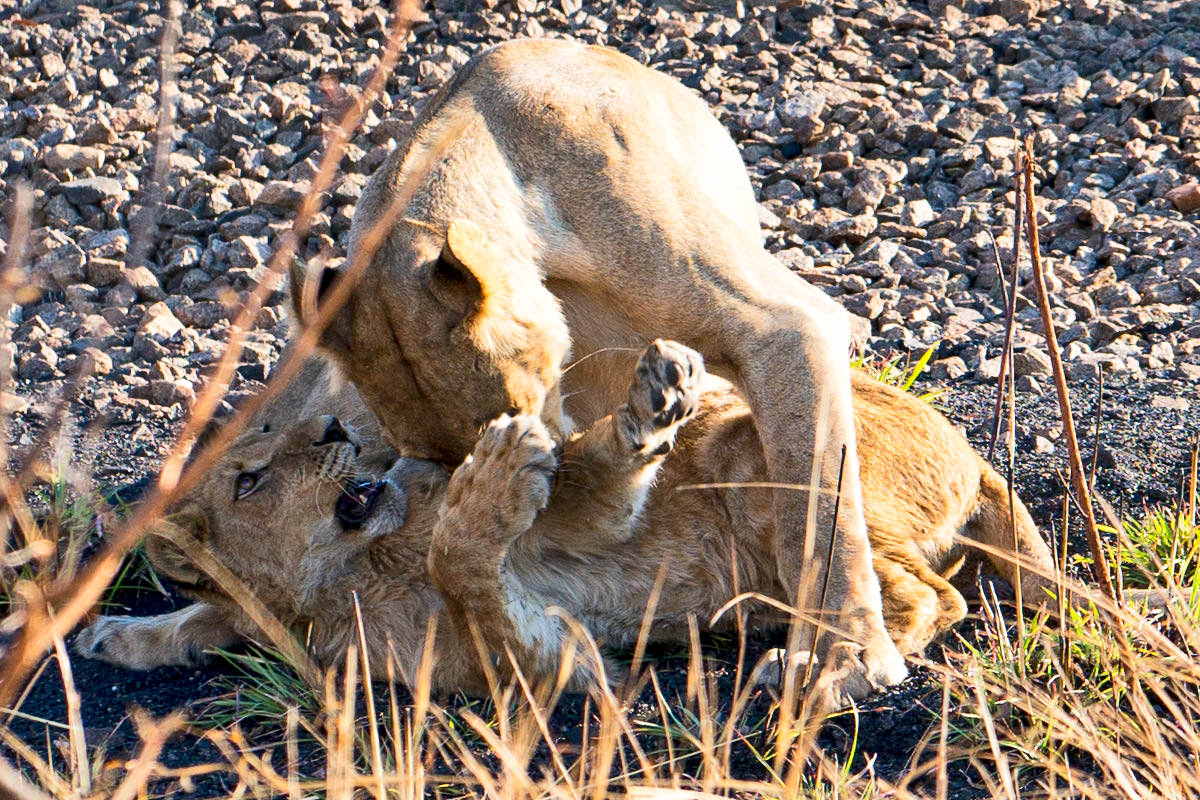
[878, 133]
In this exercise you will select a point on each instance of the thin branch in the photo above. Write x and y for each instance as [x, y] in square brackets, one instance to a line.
[1078, 480]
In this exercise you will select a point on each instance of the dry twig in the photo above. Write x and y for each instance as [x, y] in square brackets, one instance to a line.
[1078, 479]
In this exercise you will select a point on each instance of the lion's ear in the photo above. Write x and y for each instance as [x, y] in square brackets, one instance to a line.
[169, 542]
[307, 293]
[469, 277]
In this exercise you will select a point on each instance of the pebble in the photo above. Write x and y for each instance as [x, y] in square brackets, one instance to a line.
[92, 190]
[159, 323]
[880, 137]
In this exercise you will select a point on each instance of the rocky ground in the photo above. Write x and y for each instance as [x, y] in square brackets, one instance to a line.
[878, 133]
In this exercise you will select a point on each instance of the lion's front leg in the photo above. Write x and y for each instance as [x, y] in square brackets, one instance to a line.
[492, 499]
[786, 347]
[178, 638]
[607, 471]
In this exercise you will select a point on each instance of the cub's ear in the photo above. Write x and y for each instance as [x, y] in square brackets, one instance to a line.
[469, 277]
[306, 292]
[169, 542]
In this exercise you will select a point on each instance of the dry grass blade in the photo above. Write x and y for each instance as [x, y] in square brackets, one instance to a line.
[73, 598]
[1010, 312]
[13, 785]
[154, 737]
[1078, 479]
[81, 775]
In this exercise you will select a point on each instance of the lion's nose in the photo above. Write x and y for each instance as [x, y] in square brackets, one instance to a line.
[334, 432]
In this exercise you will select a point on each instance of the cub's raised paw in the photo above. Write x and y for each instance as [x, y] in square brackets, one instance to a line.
[665, 393]
[505, 482]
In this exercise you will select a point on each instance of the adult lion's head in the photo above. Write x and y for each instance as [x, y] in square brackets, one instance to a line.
[439, 341]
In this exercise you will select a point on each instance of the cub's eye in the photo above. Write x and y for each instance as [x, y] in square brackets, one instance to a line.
[245, 484]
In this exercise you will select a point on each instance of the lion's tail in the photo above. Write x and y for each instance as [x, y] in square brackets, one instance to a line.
[1003, 529]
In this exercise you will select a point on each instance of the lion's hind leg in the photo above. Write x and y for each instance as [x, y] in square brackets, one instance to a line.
[178, 638]
[918, 603]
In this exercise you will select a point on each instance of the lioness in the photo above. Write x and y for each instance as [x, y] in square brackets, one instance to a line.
[556, 196]
[521, 529]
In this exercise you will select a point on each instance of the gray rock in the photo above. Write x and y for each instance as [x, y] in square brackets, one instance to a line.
[801, 113]
[1031, 362]
[159, 323]
[282, 195]
[917, 213]
[92, 190]
[65, 265]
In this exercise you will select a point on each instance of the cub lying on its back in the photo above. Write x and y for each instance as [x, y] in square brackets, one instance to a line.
[520, 529]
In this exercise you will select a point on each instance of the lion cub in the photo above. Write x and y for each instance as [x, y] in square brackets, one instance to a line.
[649, 495]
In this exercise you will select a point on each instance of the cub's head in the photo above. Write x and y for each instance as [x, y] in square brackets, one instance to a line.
[285, 510]
[439, 339]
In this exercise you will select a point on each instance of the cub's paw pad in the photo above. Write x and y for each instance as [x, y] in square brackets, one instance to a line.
[665, 393]
[509, 472]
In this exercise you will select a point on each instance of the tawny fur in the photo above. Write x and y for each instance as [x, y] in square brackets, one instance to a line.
[557, 198]
[479, 553]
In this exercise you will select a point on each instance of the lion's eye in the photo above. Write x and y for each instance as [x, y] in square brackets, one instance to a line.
[245, 484]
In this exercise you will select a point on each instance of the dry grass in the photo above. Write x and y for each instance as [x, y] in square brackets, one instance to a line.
[1101, 705]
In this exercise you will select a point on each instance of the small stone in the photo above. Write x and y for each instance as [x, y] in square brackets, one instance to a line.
[1116, 295]
[867, 194]
[92, 190]
[917, 213]
[852, 231]
[282, 195]
[99, 131]
[1017, 11]
[107, 78]
[145, 283]
[39, 363]
[248, 252]
[865, 304]
[1169, 402]
[102, 363]
[837, 160]
[52, 65]
[166, 393]
[203, 314]
[1103, 213]
[65, 265]
[802, 114]
[73, 158]
[1031, 362]
[1186, 198]
[104, 272]
[1043, 445]
[948, 369]
[159, 323]
[106, 244]
[1173, 110]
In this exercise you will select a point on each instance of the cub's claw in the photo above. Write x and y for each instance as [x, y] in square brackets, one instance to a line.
[665, 393]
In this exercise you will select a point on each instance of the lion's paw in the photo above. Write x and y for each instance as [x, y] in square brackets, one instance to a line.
[842, 678]
[665, 394]
[506, 480]
[129, 642]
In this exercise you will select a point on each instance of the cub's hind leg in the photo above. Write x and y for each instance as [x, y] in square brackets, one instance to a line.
[178, 638]
[607, 471]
